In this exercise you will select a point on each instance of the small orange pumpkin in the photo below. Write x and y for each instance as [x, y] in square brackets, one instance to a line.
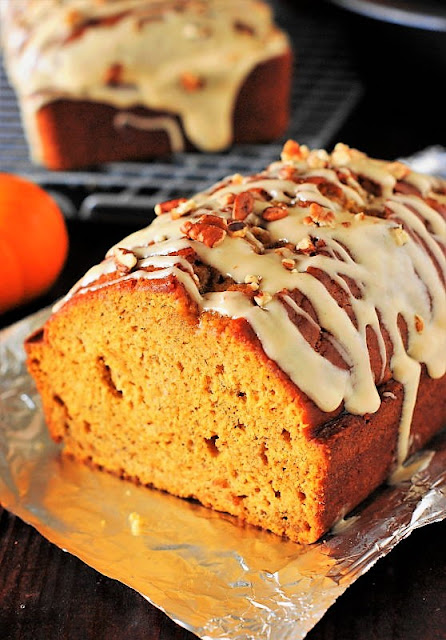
[33, 241]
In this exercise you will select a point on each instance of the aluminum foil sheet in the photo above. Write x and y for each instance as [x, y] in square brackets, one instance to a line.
[431, 160]
[204, 570]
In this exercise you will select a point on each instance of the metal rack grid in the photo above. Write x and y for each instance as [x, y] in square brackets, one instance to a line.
[325, 90]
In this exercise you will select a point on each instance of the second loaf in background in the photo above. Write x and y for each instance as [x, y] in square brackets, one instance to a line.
[121, 79]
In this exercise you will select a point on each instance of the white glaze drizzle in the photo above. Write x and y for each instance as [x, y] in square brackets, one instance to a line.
[59, 50]
[398, 266]
[160, 123]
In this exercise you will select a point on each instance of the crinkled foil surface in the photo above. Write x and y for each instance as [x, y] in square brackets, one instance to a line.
[208, 573]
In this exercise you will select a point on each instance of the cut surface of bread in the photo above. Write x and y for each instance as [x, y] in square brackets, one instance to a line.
[219, 354]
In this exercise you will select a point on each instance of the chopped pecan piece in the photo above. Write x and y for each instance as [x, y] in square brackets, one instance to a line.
[168, 205]
[318, 158]
[284, 251]
[113, 75]
[243, 205]
[182, 209]
[263, 298]
[191, 82]
[292, 150]
[208, 234]
[253, 281]
[319, 216]
[398, 170]
[306, 245]
[212, 236]
[124, 259]
[215, 221]
[275, 213]
[419, 323]
[288, 173]
[237, 229]
[237, 178]
[260, 194]
[261, 234]
[289, 263]
[253, 220]
[400, 236]
[342, 154]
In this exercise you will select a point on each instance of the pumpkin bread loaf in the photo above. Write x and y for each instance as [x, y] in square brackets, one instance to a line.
[273, 347]
[119, 79]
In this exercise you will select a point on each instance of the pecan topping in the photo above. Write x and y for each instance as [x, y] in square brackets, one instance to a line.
[208, 234]
[263, 298]
[292, 150]
[342, 154]
[274, 213]
[319, 216]
[306, 245]
[419, 323]
[400, 236]
[215, 221]
[284, 252]
[124, 259]
[398, 170]
[289, 263]
[113, 75]
[237, 178]
[182, 209]
[260, 194]
[253, 281]
[191, 82]
[253, 220]
[237, 229]
[243, 205]
[165, 207]
[288, 173]
[318, 158]
[261, 234]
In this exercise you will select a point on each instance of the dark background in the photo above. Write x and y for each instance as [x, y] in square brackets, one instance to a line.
[48, 594]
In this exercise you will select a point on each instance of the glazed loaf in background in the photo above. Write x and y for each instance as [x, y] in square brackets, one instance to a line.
[273, 347]
[119, 79]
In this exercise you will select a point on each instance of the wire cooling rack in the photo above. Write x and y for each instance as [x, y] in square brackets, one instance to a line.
[326, 88]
